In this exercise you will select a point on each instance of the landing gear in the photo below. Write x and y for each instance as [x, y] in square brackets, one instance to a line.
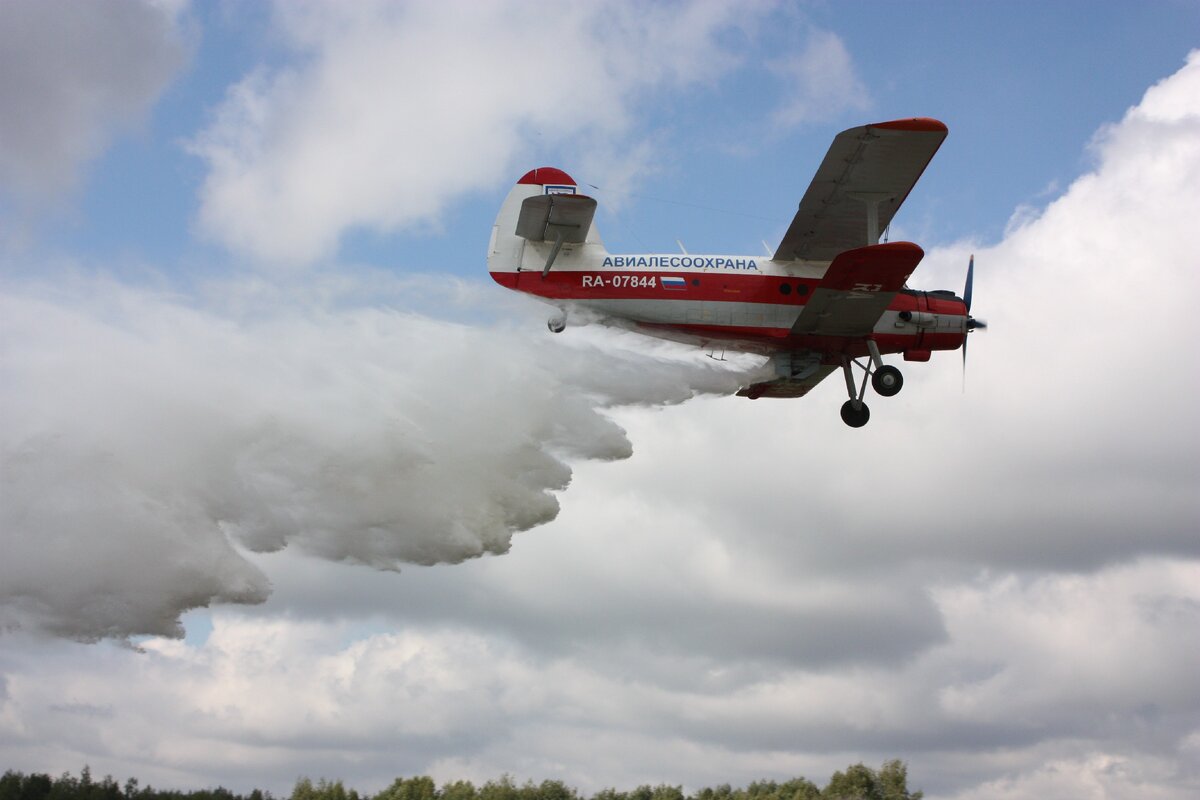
[854, 411]
[885, 380]
[855, 417]
[557, 324]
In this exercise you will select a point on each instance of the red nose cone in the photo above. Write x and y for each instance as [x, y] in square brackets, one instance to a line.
[547, 175]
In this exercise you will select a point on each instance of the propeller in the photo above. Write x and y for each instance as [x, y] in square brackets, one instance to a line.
[972, 323]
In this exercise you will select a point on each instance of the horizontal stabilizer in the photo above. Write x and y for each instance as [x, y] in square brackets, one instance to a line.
[556, 217]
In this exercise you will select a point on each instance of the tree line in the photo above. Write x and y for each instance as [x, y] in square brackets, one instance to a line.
[856, 782]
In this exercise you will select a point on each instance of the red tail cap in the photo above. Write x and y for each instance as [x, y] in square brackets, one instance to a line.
[547, 175]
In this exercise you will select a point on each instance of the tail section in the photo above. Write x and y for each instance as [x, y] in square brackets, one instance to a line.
[544, 223]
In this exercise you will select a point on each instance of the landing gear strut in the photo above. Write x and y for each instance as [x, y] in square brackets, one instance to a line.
[885, 380]
[854, 411]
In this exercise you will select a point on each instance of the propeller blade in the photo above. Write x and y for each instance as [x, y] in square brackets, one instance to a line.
[964, 369]
[972, 323]
[970, 282]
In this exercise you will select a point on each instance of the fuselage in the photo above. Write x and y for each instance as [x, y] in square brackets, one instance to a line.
[741, 302]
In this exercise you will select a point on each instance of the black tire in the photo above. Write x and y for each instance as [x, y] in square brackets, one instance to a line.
[855, 417]
[887, 381]
[557, 324]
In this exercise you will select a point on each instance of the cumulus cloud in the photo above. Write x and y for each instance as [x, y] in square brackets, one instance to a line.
[1000, 587]
[1048, 514]
[1032, 688]
[73, 75]
[396, 110]
[144, 438]
[1072, 446]
[820, 83]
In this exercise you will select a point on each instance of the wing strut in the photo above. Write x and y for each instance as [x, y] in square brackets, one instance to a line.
[871, 200]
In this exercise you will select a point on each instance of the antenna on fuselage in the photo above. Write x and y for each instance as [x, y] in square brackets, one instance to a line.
[682, 249]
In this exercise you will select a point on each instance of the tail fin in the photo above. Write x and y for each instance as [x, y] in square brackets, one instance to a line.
[509, 253]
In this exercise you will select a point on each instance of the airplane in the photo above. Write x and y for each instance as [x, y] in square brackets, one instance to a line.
[830, 296]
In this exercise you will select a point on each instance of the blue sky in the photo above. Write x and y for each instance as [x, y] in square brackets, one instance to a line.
[261, 405]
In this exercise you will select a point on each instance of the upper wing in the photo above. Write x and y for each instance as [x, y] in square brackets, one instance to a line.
[857, 288]
[872, 162]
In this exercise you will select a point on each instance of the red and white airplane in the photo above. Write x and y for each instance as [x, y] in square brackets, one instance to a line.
[831, 295]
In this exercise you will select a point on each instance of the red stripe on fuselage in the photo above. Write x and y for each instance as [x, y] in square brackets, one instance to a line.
[715, 288]
[630, 285]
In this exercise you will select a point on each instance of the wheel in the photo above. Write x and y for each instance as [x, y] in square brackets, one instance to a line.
[887, 381]
[855, 417]
[557, 324]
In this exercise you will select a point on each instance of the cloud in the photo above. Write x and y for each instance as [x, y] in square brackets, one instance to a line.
[820, 83]
[1058, 679]
[1071, 448]
[1000, 587]
[398, 110]
[59, 111]
[1097, 775]
[148, 438]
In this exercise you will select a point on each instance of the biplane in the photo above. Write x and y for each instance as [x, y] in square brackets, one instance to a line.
[830, 297]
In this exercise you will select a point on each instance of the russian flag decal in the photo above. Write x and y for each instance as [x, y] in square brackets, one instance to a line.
[673, 283]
